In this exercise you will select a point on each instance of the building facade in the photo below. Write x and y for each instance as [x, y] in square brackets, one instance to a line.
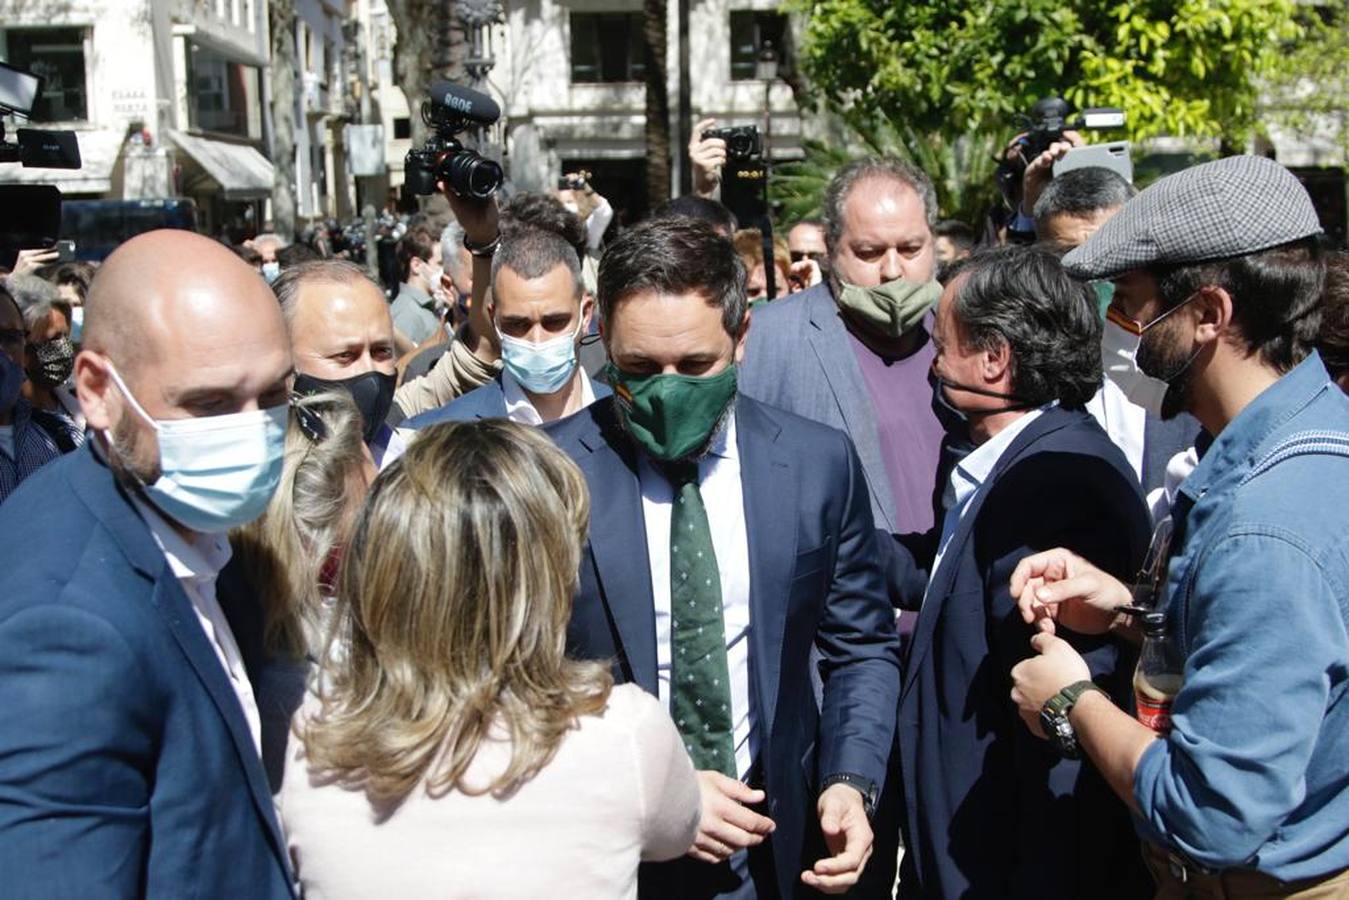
[569, 77]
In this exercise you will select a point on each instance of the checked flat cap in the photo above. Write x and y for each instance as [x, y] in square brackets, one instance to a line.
[1231, 207]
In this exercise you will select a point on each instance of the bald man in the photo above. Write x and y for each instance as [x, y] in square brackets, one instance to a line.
[129, 743]
[342, 337]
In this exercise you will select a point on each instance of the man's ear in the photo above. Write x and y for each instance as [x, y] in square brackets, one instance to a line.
[1214, 308]
[741, 338]
[997, 363]
[587, 312]
[93, 386]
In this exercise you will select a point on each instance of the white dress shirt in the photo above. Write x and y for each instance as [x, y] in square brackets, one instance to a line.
[196, 563]
[1126, 423]
[723, 497]
[388, 445]
[970, 474]
[519, 408]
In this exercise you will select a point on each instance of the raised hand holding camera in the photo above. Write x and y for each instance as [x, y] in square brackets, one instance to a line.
[443, 159]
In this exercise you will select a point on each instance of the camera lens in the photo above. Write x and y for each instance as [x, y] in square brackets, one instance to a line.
[741, 145]
[472, 175]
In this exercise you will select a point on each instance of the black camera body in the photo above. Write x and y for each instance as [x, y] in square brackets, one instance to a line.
[741, 143]
[450, 110]
[1049, 118]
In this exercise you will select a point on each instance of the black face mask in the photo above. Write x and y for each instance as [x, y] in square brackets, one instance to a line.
[956, 421]
[372, 391]
[55, 360]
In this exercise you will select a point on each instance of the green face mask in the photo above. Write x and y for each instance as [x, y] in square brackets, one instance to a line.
[893, 308]
[671, 416]
[1105, 292]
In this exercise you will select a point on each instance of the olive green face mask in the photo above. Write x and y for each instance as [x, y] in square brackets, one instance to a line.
[892, 308]
[672, 416]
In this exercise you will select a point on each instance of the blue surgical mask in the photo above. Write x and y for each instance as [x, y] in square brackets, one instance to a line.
[216, 472]
[541, 368]
[77, 324]
[271, 271]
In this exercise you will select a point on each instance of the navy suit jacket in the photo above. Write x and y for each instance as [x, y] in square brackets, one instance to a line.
[989, 810]
[815, 582]
[126, 765]
[1163, 439]
[486, 402]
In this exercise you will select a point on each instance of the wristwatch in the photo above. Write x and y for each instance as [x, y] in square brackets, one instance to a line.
[1054, 718]
[865, 786]
[484, 251]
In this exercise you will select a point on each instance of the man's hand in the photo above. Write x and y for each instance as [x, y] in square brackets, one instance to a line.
[707, 157]
[1040, 171]
[1037, 679]
[29, 261]
[1060, 585]
[726, 825]
[477, 217]
[805, 273]
[847, 834]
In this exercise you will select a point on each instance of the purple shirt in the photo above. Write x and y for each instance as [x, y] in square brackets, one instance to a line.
[910, 435]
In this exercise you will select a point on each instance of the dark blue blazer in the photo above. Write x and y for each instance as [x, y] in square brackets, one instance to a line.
[815, 582]
[988, 810]
[126, 765]
[1163, 439]
[486, 402]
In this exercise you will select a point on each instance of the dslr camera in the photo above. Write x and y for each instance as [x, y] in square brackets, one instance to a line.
[741, 142]
[450, 110]
[1049, 118]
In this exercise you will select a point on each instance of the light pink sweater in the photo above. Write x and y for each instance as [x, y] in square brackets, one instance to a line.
[620, 790]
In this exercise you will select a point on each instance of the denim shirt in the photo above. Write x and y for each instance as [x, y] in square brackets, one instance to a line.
[1255, 772]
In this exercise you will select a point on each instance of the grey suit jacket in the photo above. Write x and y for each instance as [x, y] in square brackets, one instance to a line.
[799, 359]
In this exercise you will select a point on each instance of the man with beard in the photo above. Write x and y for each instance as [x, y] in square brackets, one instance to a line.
[1237, 766]
[342, 337]
[129, 748]
[727, 539]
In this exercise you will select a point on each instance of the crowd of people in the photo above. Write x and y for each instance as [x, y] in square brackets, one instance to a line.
[579, 562]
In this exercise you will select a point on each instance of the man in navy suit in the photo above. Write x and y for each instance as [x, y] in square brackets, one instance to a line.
[539, 309]
[728, 538]
[988, 810]
[129, 743]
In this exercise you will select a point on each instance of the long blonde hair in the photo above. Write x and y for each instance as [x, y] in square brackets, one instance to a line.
[284, 551]
[452, 615]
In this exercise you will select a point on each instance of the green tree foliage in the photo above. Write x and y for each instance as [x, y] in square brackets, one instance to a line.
[1308, 93]
[961, 168]
[1181, 67]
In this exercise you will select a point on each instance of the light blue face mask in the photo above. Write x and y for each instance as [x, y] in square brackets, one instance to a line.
[216, 472]
[271, 271]
[76, 324]
[540, 368]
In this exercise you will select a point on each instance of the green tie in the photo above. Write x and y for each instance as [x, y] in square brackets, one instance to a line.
[700, 681]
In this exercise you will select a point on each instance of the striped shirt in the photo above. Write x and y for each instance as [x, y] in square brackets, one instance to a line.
[30, 449]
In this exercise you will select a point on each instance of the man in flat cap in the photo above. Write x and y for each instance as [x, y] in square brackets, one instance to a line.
[1236, 762]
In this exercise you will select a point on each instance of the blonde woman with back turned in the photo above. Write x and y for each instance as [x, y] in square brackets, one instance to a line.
[452, 749]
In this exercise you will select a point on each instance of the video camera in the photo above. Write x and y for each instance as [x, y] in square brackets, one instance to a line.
[30, 214]
[741, 143]
[450, 110]
[1049, 118]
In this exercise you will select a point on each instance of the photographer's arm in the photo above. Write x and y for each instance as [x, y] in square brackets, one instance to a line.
[478, 218]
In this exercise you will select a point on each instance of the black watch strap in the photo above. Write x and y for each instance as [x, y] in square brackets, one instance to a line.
[865, 786]
[484, 251]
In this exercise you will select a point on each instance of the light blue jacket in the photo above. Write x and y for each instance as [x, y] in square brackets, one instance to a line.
[1255, 773]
